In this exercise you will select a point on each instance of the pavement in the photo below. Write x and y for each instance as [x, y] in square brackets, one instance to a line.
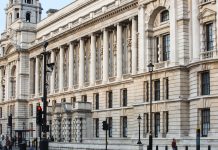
[28, 148]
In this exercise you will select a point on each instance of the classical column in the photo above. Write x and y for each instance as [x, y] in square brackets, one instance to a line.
[217, 25]
[105, 56]
[119, 52]
[195, 31]
[81, 63]
[61, 73]
[173, 31]
[92, 60]
[52, 73]
[17, 86]
[134, 46]
[37, 77]
[1, 81]
[71, 65]
[141, 38]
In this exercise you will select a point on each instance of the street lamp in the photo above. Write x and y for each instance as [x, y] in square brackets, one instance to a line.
[150, 69]
[139, 120]
[46, 68]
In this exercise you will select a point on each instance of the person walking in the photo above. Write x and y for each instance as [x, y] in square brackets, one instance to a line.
[174, 144]
[4, 143]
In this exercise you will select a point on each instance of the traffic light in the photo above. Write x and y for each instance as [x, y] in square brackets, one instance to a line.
[10, 120]
[104, 125]
[39, 115]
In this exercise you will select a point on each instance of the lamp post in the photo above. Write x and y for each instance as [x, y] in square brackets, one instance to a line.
[139, 120]
[44, 141]
[150, 69]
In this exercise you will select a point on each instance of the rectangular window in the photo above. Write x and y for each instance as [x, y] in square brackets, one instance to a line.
[145, 124]
[205, 83]
[96, 127]
[166, 88]
[0, 112]
[110, 125]
[205, 121]
[156, 124]
[124, 126]
[166, 121]
[31, 109]
[96, 101]
[146, 91]
[123, 94]
[157, 90]
[84, 98]
[209, 37]
[1, 129]
[31, 129]
[109, 99]
[166, 47]
[73, 101]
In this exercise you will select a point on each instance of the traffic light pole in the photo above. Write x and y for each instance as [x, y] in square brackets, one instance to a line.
[106, 139]
[44, 141]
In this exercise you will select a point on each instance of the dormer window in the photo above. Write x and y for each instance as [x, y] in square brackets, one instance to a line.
[164, 16]
[28, 15]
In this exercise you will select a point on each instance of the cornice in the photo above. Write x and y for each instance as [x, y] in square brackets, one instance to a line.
[67, 14]
[92, 22]
[193, 64]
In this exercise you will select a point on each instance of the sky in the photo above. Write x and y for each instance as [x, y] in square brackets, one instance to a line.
[46, 4]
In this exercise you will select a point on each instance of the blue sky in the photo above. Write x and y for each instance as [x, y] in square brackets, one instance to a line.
[46, 4]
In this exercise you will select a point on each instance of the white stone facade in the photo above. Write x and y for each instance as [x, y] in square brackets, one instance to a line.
[101, 50]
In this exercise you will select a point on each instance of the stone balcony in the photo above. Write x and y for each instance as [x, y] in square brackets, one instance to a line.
[68, 107]
[208, 54]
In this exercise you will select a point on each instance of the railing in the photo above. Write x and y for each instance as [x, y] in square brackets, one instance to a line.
[208, 54]
[160, 65]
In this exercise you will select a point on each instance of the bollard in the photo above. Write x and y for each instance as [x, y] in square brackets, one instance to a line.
[209, 147]
[186, 147]
[156, 147]
[166, 147]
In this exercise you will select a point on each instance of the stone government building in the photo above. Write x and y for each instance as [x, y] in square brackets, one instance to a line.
[101, 49]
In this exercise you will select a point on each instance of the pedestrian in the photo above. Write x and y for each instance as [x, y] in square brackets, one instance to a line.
[174, 147]
[8, 143]
[4, 143]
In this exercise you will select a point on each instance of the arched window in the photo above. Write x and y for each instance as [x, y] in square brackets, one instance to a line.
[164, 16]
[28, 15]
[13, 81]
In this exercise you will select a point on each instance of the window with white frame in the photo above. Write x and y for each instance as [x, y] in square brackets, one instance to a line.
[110, 125]
[157, 90]
[205, 121]
[156, 124]
[109, 99]
[56, 70]
[75, 63]
[123, 121]
[96, 101]
[31, 110]
[205, 83]
[66, 66]
[123, 97]
[13, 81]
[146, 91]
[164, 16]
[145, 124]
[87, 59]
[209, 41]
[96, 127]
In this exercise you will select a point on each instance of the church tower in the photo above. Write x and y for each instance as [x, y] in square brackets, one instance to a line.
[22, 11]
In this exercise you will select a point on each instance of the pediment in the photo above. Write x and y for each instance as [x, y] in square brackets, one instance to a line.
[9, 49]
[207, 15]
